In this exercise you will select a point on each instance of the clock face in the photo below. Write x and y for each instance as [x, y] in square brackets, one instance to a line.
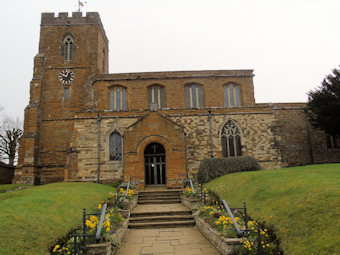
[66, 76]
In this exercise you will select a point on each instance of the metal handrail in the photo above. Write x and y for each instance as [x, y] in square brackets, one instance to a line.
[127, 190]
[192, 187]
[240, 233]
[100, 224]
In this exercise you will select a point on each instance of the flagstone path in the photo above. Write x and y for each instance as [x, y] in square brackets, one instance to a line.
[165, 241]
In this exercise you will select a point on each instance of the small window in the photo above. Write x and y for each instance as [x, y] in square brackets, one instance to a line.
[231, 140]
[156, 96]
[104, 60]
[118, 98]
[68, 43]
[115, 147]
[333, 141]
[232, 95]
[194, 96]
[67, 92]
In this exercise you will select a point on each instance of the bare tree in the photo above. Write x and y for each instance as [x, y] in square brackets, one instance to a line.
[10, 133]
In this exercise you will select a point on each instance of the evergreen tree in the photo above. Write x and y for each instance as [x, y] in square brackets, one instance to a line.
[323, 107]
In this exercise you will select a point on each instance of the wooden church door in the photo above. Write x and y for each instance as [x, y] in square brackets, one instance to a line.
[154, 161]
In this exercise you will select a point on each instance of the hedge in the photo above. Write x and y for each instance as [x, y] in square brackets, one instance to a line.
[211, 168]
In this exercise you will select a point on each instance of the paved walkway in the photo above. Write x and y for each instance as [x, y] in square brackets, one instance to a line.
[166, 241]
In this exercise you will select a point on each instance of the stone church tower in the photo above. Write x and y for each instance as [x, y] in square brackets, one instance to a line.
[70, 50]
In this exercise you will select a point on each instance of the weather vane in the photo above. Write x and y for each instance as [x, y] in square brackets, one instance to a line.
[81, 4]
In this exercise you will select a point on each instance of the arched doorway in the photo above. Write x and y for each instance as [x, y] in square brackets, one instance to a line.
[154, 161]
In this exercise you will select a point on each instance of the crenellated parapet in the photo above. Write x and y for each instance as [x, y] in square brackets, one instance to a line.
[77, 18]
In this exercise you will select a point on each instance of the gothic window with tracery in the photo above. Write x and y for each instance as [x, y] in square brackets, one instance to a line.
[68, 43]
[118, 98]
[194, 95]
[231, 140]
[115, 146]
[232, 95]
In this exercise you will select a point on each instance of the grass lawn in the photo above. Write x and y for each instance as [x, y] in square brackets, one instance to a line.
[302, 204]
[32, 219]
[4, 187]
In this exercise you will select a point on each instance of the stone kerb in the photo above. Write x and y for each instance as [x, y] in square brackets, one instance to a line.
[193, 203]
[129, 204]
[222, 244]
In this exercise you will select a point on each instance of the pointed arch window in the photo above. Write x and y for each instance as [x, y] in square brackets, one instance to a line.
[115, 146]
[118, 98]
[156, 96]
[232, 95]
[68, 44]
[194, 95]
[231, 140]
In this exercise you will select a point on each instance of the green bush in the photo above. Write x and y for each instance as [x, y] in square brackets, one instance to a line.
[211, 168]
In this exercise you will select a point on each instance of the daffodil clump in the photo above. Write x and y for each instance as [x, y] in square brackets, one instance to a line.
[187, 192]
[131, 194]
[111, 222]
[219, 219]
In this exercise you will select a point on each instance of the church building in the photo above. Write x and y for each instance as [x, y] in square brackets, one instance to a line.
[84, 124]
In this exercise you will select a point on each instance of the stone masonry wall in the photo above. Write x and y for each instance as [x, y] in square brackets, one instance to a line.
[257, 137]
[85, 142]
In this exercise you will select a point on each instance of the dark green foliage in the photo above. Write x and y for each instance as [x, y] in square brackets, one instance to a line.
[211, 168]
[323, 105]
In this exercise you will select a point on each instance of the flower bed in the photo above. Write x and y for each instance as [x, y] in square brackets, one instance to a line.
[113, 227]
[214, 222]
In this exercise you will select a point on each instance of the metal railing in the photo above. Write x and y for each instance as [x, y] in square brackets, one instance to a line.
[81, 245]
[202, 194]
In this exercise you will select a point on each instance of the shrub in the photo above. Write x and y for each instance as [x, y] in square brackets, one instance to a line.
[211, 168]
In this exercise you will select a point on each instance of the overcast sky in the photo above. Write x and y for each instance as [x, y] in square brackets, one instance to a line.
[291, 44]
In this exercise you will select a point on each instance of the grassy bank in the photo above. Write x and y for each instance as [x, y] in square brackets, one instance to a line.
[4, 187]
[32, 219]
[302, 204]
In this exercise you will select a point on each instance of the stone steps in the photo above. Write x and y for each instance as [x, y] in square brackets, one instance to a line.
[159, 216]
[162, 224]
[159, 201]
[158, 196]
[164, 213]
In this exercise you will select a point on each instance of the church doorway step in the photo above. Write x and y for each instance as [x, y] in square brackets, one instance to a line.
[155, 168]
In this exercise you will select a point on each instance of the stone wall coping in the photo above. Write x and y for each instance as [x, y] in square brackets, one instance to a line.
[172, 75]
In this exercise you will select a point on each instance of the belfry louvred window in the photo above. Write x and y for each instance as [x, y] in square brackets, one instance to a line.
[231, 140]
[68, 44]
[118, 98]
[115, 146]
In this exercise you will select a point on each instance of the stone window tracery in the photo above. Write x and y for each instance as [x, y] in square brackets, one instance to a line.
[156, 96]
[194, 95]
[232, 95]
[231, 140]
[68, 43]
[118, 98]
[115, 147]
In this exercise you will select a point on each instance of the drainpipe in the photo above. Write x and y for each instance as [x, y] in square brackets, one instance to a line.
[186, 155]
[210, 134]
[98, 146]
[309, 141]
